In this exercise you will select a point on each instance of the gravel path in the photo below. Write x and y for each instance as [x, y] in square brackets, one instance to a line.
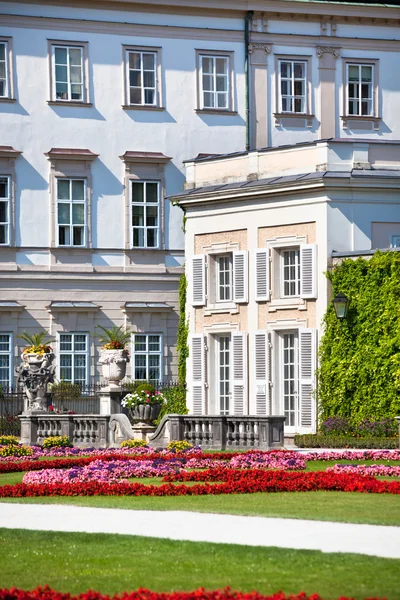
[375, 540]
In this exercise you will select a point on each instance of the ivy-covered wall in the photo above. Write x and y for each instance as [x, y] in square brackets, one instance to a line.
[183, 330]
[359, 373]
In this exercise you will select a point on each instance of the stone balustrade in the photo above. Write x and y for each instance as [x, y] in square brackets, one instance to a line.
[83, 430]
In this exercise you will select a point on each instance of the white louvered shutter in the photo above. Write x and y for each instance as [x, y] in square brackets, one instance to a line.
[307, 366]
[308, 271]
[239, 373]
[262, 275]
[240, 277]
[261, 369]
[197, 357]
[199, 280]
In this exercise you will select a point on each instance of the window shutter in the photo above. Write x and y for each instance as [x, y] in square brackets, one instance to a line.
[261, 369]
[199, 280]
[262, 275]
[197, 351]
[307, 366]
[308, 271]
[240, 277]
[239, 373]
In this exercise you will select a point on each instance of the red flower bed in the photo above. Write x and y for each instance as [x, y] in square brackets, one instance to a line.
[232, 481]
[45, 593]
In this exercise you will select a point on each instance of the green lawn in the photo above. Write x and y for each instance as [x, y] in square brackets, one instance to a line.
[76, 562]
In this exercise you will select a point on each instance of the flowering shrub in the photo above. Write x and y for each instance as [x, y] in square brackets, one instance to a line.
[142, 397]
[179, 446]
[335, 426]
[15, 450]
[135, 443]
[57, 441]
[6, 440]
[342, 426]
[46, 593]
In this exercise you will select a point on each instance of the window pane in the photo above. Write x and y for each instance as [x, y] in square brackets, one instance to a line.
[149, 79]
[61, 74]
[207, 64]
[298, 105]
[63, 214]
[62, 91]
[151, 192]
[135, 96]
[151, 238]
[76, 75]
[78, 189]
[135, 78]
[80, 342]
[3, 234]
[2, 70]
[65, 342]
[64, 236]
[138, 238]
[140, 343]
[148, 62]
[299, 88]
[60, 55]
[366, 74]
[137, 215]
[299, 70]
[221, 66]
[222, 101]
[2, 88]
[134, 60]
[149, 96]
[151, 216]
[78, 236]
[208, 100]
[137, 191]
[154, 343]
[2, 51]
[4, 343]
[75, 57]
[286, 69]
[365, 90]
[65, 367]
[80, 368]
[353, 72]
[78, 214]
[63, 189]
[4, 212]
[222, 83]
[208, 83]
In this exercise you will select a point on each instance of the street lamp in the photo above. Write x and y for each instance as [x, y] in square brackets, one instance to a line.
[341, 305]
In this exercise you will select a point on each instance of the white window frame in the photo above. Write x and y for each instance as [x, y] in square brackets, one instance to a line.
[229, 287]
[371, 97]
[7, 87]
[72, 202]
[73, 353]
[144, 204]
[292, 79]
[215, 92]
[395, 240]
[69, 46]
[230, 78]
[7, 201]
[282, 272]
[148, 353]
[10, 354]
[142, 87]
[281, 365]
[217, 340]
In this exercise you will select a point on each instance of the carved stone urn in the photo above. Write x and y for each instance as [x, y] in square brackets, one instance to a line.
[113, 364]
[35, 372]
[145, 413]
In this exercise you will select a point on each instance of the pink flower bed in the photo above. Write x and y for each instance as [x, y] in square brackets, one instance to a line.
[289, 461]
[354, 455]
[374, 470]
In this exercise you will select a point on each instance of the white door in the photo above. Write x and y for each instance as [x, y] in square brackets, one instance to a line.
[224, 374]
[289, 379]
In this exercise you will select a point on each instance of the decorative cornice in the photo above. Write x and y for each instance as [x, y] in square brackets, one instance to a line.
[70, 154]
[260, 46]
[334, 50]
[144, 157]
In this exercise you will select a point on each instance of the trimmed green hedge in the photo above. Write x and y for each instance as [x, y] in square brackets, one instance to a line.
[323, 441]
[359, 373]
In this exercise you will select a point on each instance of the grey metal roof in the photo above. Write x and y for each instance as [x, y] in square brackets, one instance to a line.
[72, 305]
[10, 305]
[147, 305]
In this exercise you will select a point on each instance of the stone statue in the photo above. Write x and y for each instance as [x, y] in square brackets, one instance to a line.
[35, 372]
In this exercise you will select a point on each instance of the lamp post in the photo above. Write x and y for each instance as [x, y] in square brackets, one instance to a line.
[341, 305]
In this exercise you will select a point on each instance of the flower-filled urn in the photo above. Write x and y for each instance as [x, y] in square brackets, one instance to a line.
[113, 354]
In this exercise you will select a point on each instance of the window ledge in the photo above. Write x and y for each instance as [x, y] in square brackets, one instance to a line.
[8, 100]
[69, 103]
[142, 107]
[361, 119]
[214, 111]
[214, 309]
[307, 117]
[294, 303]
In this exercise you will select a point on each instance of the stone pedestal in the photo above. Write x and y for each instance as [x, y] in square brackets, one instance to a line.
[142, 431]
[29, 428]
[110, 400]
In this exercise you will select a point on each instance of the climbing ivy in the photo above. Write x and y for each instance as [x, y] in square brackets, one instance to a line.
[359, 373]
[183, 330]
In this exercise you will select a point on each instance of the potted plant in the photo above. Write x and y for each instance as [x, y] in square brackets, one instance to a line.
[37, 350]
[144, 404]
[113, 353]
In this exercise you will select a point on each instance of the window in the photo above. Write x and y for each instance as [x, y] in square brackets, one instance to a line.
[71, 212]
[145, 214]
[142, 77]
[395, 241]
[73, 357]
[293, 86]
[5, 360]
[68, 73]
[360, 89]
[224, 373]
[290, 272]
[4, 211]
[147, 362]
[4, 74]
[289, 377]
[215, 82]
[224, 278]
